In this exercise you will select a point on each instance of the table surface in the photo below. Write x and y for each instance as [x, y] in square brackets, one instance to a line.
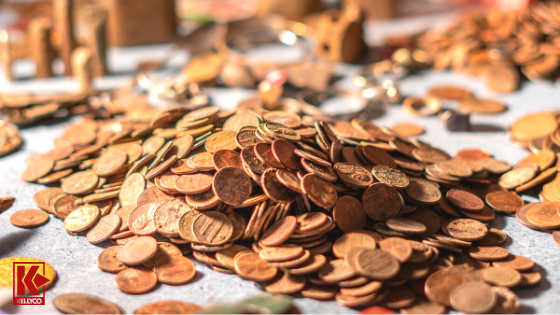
[75, 260]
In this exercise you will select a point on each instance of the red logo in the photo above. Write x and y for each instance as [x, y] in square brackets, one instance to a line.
[29, 277]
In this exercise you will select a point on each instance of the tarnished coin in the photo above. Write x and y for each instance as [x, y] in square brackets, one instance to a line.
[473, 297]
[320, 191]
[82, 303]
[516, 262]
[252, 267]
[166, 217]
[274, 189]
[465, 200]
[29, 218]
[136, 280]
[499, 276]
[467, 229]
[406, 226]
[381, 202]
[104, 228]
[174, 269]
[141, 219]
[264, 153]
[516, 177]
[349, 214]
[278, 131]
[353, 175]
[378, 156]
[81, 218]
[289, 179]
[167, 307]
[504, 201]
[212, 228]
[46, 198]
[108, 260]
[310, 220]
[232, 185]
[251, 161]
[422, 191]
[138, 251]
[64, 206]
[390, 176]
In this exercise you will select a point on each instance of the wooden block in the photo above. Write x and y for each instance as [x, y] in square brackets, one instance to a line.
[64, 20]
[42, 51]
[96, 39]
[339, 37]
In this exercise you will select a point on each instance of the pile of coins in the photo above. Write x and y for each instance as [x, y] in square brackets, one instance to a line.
[10, 139]
[343, 210]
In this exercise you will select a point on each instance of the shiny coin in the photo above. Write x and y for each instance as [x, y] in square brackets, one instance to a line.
[503, 277]
[108, 260]
[81, 218]
[212, 228]
[136, 280]
[252, 267]
[167, 307]
[138, 250]
[467, 229]
[473, 297]
[174, 269]
[104, 228]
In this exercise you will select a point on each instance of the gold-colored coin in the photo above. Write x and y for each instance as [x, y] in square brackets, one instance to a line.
[81, 218]
[7, 271]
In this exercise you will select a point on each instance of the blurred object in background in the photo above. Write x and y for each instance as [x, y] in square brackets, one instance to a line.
[376, 9]
[140, 22]
[294, 10]
[203, 11]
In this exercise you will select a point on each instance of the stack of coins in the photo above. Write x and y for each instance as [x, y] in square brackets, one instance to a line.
[343, 210]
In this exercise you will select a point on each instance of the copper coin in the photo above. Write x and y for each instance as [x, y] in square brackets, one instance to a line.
[232, 185]
[136, 280]
[181, 167]
[499, 276]
[46, 198]
[264, 153]
[166, 217]
[132, 188]
[427, 217]
[60, 152]
[54, 177]
[224, 158]
[161, 167]
[81, 219]
[37, 170]
[285, 283]
[488, 253]
[167, 307]
[356, 239]
[504, 201]
[29, 218]
[539, 179]
[252, 267]
[467, 229]
[108, 260]
[283, 151]
[174, 269]
[349, 214]
[289, 179]
[390, 176]
[397, 247]
[320, 191]
[281, 253]
[138, 250]
[194, 183]
[544, 215]
[279, 232]
[274, 189]
[424, 306]
[516, 177]
[516, 262]
[204, 200]
[353, 175]
[430, 155]
[82, 303]
[530, 278]
[64, 206]
[440, 284]
[153, 195]
[378, 156]
[495, 166]
[164, 249]
[246, 137]
[473, 154]
[335, 271]
[381, 202]
[493, 238]
[308, 157]
[212, 228]
[319, 292]
[457, 168]
[80, 183]
[422, 191]
[310, 220]
[104, 228]
[167, 181]
[406, 226]
[141, 219]
[310, 266]
[376, 264]
[250, 160]
[473, 297]
[226, 256]
[110, 162]
[465, 200]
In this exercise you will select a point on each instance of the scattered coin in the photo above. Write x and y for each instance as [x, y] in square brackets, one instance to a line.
[30, 218]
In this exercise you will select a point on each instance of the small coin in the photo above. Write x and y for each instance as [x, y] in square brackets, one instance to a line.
[212, 228]
[320, 191]
[406, 226]
[281, 253]
[104, 228]
[376, 264]
[223, 140]
[390, 176]
[467, 229]
[82, 303]
[378, 156]
[80, 183]
[422, 191]
[516, 262]
[504, 201]
[167, 307]
[465, 200]
[279, 232]
[349, 214]
[473, 297]
[397, 247]
[356, 239]
[335, 271]
[141, 219]
[450, 92]
[108, 260]
[530, 278]
[64, 206]
[224, 158]
[252, 267]
[544, 215]
[534, 126]
[37, 169]
[81, 218]
[488, 253]
[174, 269]
[284, 152]
[110, 162]
[381, 202]
[353, 175]
[166, 217]
[503, 277]
[285, 283]
[135, 280]
[516, 177]
[138, 250]
[194, 183]
[29, 218]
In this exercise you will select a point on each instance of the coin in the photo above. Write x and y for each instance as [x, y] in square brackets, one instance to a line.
[381, 202]
[503, 277]
[82, 303]
[80, 183]
[516, 177]
[212, 228]
[138, 250]
[544, 215]
[516, 262]
[252, 267]
[424, 306]
[423, 192]
[64, 206]
[320, 191]
[376, 264]
[104, 228]
[406, 226]
[223, 140]
[224, 158]
[167, 307]
[465, 200]
[467, 229]
[29, 218]
[284, 152]
[473, 297]
[397, 247]
[38, 169]
[81, 218]
[108, 260]
[279, 232]
[450, 92]
[281, 253]
[534, 126]
[390, 176]
[141, 219]
[285, 283]
[504, 201]
[353, 175]
[488, 253]
[349, 214]
[110, 162]
[135, 280]
[174, 269]
[166, 217]
[194, 183]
